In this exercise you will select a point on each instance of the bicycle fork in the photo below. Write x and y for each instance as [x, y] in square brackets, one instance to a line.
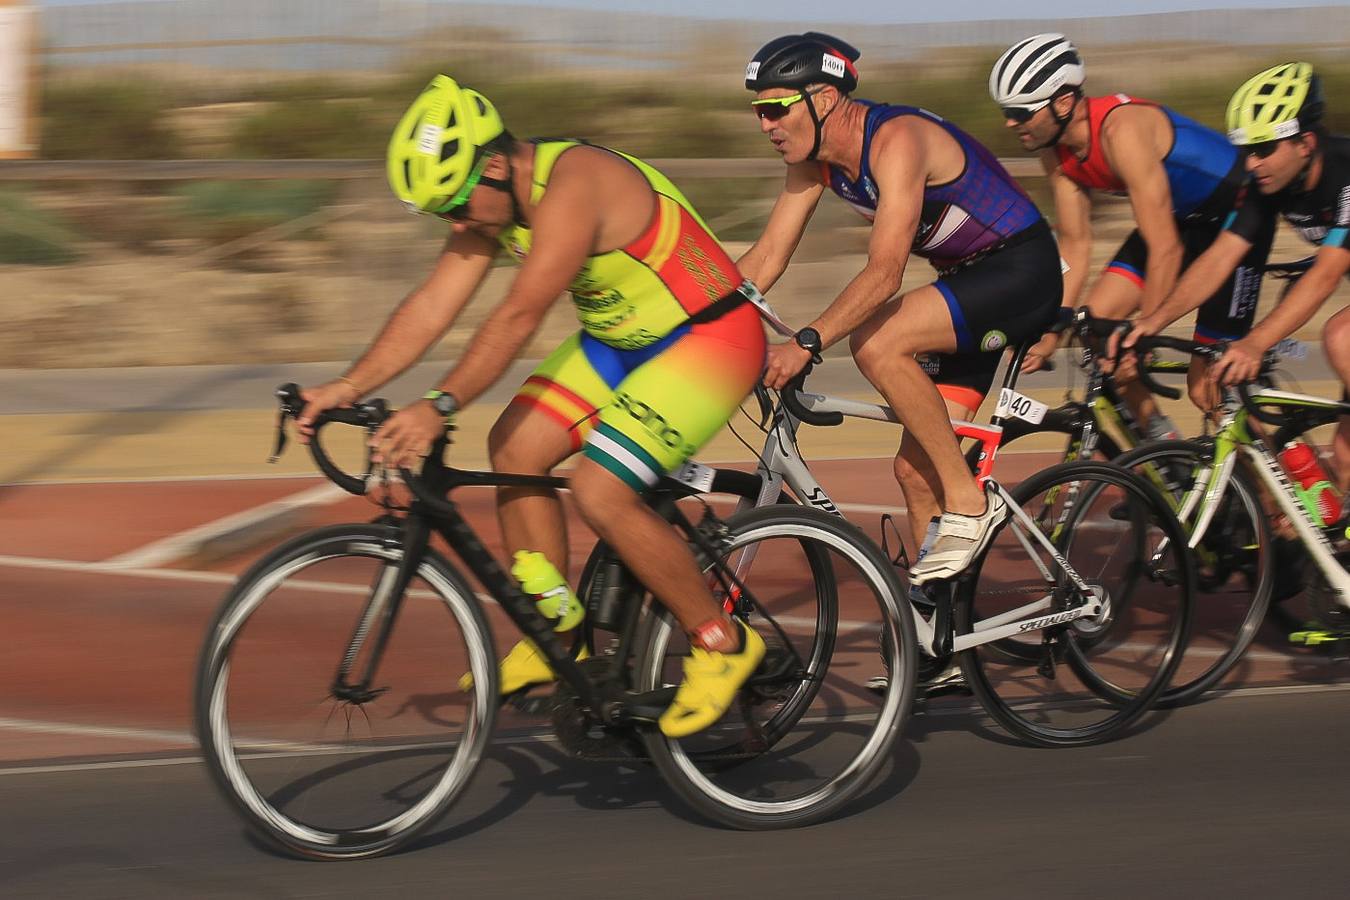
[386, 598]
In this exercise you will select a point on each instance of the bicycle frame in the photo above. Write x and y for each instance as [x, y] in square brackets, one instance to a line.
[781, 463]
[1234, 438]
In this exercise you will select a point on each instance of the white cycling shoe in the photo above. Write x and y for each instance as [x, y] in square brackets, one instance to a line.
[960, 540]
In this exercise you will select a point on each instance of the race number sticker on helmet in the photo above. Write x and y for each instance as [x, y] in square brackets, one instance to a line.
[831, 65]
[429, 139]
[1020, 406]
[752, 70]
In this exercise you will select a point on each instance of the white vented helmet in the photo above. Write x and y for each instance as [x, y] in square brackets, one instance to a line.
[1032, 71]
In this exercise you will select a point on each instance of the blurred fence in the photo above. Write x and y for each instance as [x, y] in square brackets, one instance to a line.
[375, 34]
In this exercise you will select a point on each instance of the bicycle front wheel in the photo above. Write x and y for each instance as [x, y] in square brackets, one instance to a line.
[805, 735]
[1234, 558]
[320, 768]
[1089, 532]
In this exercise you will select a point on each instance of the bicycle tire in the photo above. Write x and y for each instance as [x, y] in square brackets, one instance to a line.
[1247, 495]
[266, 578]
[692, 774]
[1061, 645]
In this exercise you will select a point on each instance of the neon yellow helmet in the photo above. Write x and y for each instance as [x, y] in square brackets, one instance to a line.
[1278, 103]
[435, 159]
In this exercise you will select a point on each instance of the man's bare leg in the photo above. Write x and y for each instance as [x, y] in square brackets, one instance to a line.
[884, 348]
[529, 442]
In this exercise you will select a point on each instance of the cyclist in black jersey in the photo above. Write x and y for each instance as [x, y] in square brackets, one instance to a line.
[1299, 172]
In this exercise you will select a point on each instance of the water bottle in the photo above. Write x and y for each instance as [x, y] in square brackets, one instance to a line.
[1313, 487]
[539, 577]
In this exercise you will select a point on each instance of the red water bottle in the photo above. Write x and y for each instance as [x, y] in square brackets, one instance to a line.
[1314, 488]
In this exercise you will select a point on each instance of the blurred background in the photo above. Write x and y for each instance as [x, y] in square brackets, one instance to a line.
[193, 209]
[294, 249]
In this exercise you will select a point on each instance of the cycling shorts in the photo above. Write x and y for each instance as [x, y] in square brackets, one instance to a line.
[1227, 314]
[999, 300]
[642, 413]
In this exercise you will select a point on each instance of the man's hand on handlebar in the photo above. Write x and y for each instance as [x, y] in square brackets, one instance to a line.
[406, 437]
[1039, 352]
[1240, 362]
[783, 363]
[330, 395]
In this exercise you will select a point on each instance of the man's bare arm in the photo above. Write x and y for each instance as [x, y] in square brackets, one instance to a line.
[426, 313]
[1304, 298]
[1073, 226]
[900, 168]
[768, 257]
[1130, 145]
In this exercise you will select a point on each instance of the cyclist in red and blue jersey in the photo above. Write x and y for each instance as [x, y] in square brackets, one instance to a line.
[1182, 180]
[929, 190]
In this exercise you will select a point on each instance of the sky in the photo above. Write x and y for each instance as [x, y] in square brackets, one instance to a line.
[882, 10]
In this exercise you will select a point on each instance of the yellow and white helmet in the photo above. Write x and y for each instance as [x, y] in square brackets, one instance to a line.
[1278, 103]
[435, 159]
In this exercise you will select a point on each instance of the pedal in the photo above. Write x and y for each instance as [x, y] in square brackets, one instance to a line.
[1046, 668]
[529, 703]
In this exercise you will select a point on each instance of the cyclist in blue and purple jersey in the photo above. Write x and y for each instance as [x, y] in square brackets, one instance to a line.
[929, 190]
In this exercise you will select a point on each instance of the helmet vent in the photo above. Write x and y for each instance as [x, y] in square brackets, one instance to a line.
[449, 149]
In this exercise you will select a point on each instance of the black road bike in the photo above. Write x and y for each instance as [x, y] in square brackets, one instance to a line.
[327, 703]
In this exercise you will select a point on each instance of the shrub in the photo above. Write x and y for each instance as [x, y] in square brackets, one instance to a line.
[107, 120]
[310, 129]
[225, 210]
[31, 237]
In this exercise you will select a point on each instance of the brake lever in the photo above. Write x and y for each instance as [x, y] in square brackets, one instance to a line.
[281, 434]
[765, 405]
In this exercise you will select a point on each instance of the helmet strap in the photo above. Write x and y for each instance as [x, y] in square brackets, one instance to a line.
[506, 185]
[1302, 178]
[1063, 123]
[818, 122]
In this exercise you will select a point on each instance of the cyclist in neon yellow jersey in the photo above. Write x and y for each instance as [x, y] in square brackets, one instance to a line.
[667, 351]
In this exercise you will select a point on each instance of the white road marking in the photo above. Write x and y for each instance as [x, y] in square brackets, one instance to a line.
[187, 543]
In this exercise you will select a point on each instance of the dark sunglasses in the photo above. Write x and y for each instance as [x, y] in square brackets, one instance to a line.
[1264, 149]
[1021, 114]
[775, 108]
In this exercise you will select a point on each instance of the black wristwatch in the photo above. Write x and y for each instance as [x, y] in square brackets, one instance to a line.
[809, 340]
[444, 403]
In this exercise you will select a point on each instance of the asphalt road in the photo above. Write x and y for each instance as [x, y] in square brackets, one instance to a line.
[1244, 795]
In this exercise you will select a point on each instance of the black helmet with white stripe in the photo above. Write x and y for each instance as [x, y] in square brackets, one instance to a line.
[1034, 71]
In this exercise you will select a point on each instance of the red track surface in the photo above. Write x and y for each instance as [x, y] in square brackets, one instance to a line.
[100, 663]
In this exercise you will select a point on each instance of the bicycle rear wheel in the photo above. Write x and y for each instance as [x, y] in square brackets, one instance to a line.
[1234, 560]
[805, 735]
[1094, 676]
[339, 777]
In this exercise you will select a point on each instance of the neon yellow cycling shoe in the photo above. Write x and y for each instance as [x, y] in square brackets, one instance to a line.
[523, 667]
[711, 680]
